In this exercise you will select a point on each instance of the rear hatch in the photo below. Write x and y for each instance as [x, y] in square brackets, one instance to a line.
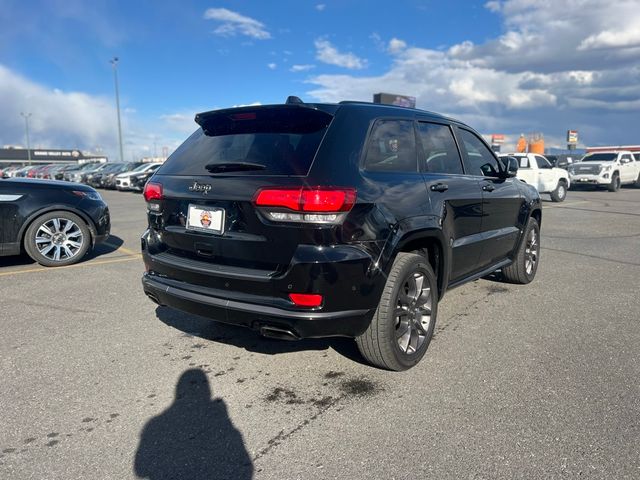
[207, 213]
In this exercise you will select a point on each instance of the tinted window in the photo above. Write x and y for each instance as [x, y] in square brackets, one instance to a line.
[280, 141]
[479, 160]
[439, 148]
[392, 147]
[542, 162]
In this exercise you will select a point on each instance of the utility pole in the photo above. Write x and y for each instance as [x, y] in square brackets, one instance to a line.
[114, 63]
[26, 127]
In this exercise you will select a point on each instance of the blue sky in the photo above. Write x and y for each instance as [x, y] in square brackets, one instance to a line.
[513, 66]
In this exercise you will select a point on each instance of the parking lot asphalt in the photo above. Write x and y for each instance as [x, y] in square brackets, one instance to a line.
[534, 381]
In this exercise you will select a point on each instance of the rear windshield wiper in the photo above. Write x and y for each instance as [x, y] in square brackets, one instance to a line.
[234, 167]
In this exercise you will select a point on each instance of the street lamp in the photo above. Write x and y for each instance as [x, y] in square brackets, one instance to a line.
[26, 127]
[114, 62]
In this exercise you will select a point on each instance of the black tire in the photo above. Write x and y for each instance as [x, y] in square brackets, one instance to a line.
[560, 193]
[381, 343]
[637, 183]
[525, 265]
[71, 245]
[614, 185]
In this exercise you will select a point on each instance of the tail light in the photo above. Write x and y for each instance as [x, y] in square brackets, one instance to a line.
[153, 196]
[306, 205]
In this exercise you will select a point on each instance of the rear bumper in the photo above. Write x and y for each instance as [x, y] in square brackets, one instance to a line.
[344, 275]
[301, 324]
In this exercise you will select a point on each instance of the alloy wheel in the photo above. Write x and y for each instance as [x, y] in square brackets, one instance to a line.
[531, 252]
[59, 239]
[413, 312]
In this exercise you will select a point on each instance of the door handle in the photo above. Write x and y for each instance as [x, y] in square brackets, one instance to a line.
[488, 188]
[439, 187]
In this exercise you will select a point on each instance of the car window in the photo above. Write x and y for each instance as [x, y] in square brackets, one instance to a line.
[479, 159]
[439, 149]
[524, 162]
[542, 162]
[392, 147]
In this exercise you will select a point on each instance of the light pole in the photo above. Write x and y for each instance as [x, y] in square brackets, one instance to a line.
[114, 62]
[26, 127]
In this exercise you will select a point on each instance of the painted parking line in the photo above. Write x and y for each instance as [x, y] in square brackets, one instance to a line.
[567, 205]
[121, 249]
[128, 258]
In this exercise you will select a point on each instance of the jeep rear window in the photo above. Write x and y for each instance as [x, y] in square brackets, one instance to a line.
[280, 140]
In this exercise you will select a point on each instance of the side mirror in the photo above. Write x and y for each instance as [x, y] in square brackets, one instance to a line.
[511, 167]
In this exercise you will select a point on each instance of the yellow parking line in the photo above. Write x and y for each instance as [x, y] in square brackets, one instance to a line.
[128, 251]
[128, 258]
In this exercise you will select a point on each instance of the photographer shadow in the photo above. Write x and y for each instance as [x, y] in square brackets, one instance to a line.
[193, 439]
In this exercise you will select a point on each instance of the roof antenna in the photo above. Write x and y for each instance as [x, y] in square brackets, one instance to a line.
[293, 100]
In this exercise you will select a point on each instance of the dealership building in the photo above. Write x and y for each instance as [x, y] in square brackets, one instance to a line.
[20, 156]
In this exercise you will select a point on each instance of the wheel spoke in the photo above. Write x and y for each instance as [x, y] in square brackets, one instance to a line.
[404, 298]
[43, 240]
[46, 229]
[47, 249]
[56, 253]
[73, 244]
[67, 251]
[404, 338]
[74, 233]
[56, 224]
[68, 226]
[419, 280]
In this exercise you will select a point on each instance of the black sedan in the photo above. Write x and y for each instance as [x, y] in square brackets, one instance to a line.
[56, 223]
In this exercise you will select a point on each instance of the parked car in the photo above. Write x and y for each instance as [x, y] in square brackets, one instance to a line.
[95, 178]
[138, 181]
[123, 181]
[75, 174]
[60, 171]
[56, 223]
[108, 180]
[536, 170]
[606, 169]
[353, 219]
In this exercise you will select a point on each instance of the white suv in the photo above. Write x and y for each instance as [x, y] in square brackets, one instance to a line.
[606, 169]
[123, 181]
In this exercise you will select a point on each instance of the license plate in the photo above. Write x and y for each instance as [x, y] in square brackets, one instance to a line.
[205, 219]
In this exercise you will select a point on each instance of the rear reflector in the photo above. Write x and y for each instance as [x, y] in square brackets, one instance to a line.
[152, 191]
[317, 199]
[306, 299]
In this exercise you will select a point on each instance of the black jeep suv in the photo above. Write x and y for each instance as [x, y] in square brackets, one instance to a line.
[311, 220]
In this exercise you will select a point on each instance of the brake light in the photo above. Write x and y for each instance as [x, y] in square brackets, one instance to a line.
[326, 205]
[153, 194]
[152, 191]
[306, 299]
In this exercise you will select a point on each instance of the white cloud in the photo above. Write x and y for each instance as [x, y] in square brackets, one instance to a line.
[234, 24]
[557, 65]
[613, 39]
[59, 118]
[272, 66]
[327, 53]
[320, 7]
[396, 45]
[301, 68]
